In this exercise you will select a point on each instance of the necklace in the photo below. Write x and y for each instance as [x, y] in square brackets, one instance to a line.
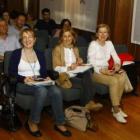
[32, 67]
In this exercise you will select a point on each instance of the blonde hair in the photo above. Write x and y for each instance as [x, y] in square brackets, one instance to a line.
[102, 26]
[67, 29]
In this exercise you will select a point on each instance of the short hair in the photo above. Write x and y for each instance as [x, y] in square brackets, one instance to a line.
[103, 26]
[14, 14]
[5, 11]
[63, 22]
[21, 14]
[45, 10]
[67, 29]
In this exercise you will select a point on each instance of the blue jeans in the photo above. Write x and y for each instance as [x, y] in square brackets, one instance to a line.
[40, 95]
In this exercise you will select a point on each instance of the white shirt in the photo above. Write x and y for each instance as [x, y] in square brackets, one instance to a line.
[99, 56]
[9, 44]
[13, 31]
[69, 58]
[25, 69]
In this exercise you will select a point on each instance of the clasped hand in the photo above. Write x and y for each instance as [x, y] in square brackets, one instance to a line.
[79, 62]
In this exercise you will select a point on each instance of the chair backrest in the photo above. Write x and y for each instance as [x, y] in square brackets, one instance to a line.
[40, 44]
[7, 56]
[81, 42]
[83, 53]
[53, 41]
[121, 48]
[44, 34]
[48, 55]
[53, 32]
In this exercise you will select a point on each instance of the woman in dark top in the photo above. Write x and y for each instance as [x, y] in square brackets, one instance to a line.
[27, 64]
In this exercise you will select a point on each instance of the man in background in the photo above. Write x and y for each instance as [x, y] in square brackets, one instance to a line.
[46, 23]
[19, 26]
[7, 42]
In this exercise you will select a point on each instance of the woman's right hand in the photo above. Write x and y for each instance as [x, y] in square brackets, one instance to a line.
[73, 66]
[28, 79]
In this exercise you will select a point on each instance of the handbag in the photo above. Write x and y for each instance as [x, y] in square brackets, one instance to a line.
[77, 118]
[63, 81]
[8, 117]
[128, 86]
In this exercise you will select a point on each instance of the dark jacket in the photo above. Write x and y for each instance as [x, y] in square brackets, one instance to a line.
[42, 25]
[15, 59]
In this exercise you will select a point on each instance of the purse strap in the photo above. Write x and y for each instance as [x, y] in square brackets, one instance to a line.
[93, 126]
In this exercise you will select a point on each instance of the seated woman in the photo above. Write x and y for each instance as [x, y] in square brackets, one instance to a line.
[64, 23]
[6, 15]
[99, 53]
[29, 20]
[66, 58]
[27, 64]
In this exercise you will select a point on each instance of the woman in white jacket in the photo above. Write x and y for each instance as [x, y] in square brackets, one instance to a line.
[99, 52]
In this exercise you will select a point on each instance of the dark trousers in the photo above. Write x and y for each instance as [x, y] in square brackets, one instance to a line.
[84, 82]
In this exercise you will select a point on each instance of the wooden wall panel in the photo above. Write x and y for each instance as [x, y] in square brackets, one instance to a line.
[3, 4]
[15, 5]
[34, 8]
[122, 22]
[18, 5]
[107, 13]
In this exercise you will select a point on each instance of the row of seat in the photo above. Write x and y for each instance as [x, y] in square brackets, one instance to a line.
[24, 101]
[51, 42]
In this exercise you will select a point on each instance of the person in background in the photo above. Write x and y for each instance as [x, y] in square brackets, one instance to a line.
[7, 42]
[65, 58]
[99, 52]
[29, 20]
[13, 15]
[19, 26]
[6, 15]
[64, 23]
[46, 23]
[27, 64]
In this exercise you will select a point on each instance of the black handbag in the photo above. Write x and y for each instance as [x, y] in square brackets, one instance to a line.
[8, 117]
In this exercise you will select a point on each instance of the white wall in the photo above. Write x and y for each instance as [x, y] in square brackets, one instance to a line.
[135, 36]
[82, 16]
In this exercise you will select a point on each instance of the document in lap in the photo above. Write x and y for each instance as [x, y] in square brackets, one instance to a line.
[41, 83]
[81, 69]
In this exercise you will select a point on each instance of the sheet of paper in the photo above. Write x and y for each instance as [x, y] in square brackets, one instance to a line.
[81, 69]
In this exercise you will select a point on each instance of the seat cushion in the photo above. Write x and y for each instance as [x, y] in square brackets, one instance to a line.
[70, 94]
[101, 88]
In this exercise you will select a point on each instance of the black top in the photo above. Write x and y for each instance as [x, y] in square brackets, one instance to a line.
[43, 25]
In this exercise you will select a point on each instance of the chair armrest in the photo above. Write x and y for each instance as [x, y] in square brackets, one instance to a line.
[53, 74]
[12, 80]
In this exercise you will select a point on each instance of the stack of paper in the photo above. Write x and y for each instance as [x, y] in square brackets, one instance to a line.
[81, 69]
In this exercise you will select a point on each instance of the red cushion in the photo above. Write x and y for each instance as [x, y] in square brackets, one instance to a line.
[123, 57]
